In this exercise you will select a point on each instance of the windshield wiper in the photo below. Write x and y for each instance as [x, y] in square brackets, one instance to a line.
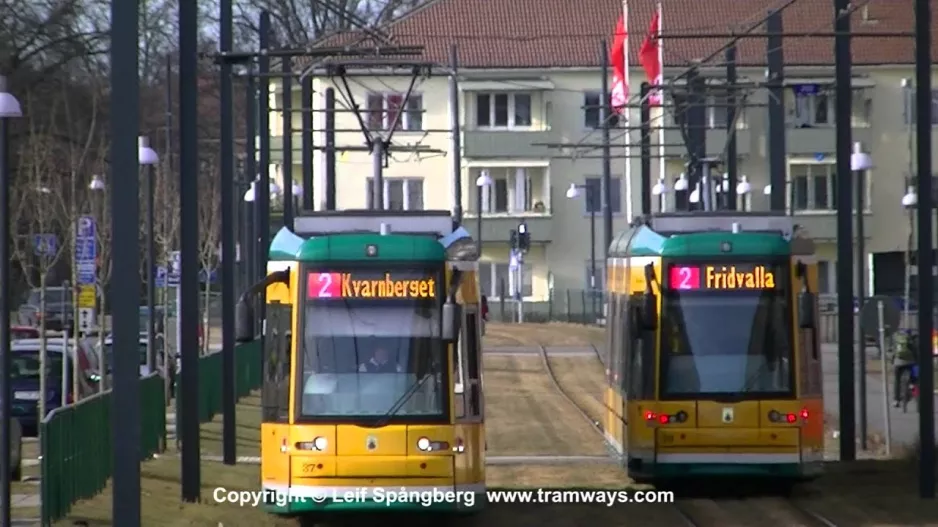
[399, 403]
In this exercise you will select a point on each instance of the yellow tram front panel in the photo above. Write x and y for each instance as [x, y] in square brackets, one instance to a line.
[718, 430]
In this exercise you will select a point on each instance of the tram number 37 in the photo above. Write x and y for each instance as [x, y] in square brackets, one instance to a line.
[309, 468]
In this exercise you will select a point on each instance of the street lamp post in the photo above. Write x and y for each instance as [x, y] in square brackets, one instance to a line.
[147, 157]
[909, 202]
[661, 190]
[744, 191]
[860, 162]
[97, 186]
[591, 202]
[482, 182]
[9, 108]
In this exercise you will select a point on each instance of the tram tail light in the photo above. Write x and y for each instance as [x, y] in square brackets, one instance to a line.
[777, 417]
[664, 419]
[283, 445]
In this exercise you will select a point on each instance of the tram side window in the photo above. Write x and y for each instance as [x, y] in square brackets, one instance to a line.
[640, 352]
[473, 362]
[613, 334]
[623, 330]
[275, 396]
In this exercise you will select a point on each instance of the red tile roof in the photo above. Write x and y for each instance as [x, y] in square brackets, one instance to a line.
[565, 33]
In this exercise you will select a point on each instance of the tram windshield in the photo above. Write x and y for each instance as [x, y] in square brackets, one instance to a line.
[372, 347]
[723, 341]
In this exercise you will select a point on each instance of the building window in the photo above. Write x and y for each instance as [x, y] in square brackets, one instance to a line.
[515, 190]
[399, 193]
[592, 115]
[813, 105]
[494, 278]
[383, 108]
[593, 192]
[909, 106]
[814, 186]
[824, 277]
[503, 110]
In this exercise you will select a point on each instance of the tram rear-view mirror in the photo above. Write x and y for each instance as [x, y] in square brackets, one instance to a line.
[806, 312]
[244, 320]
[650, 311]
[451, 317]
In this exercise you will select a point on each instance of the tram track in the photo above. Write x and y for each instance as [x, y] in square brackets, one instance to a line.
[751, 511]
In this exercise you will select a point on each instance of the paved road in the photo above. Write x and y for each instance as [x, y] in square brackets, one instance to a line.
[904, 425]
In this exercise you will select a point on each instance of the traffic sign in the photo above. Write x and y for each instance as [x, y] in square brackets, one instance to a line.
[160, 280]
[86, 319]
[175, 264]
[86, 296]
[86, 250]
[45, 244]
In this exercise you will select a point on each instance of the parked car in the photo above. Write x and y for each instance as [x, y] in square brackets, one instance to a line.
[58, 309]
[142, 357]
[24, 332]
[25, 377]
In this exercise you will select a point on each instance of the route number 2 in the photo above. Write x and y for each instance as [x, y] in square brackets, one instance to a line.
[685, 278]
[324, 285]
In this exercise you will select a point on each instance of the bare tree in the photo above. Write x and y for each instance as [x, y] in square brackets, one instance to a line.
[40, 243]
[301, 22]
[209, 231]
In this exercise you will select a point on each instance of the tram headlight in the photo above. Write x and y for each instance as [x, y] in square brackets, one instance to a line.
[320, 443]
[424, 444]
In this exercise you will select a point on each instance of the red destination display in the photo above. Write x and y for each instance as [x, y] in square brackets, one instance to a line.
[730, 277]
[385, 286]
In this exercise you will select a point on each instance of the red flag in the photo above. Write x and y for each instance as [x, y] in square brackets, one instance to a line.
[650, 58]
[620, 82]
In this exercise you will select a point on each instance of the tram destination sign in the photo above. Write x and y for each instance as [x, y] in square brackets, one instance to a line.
[722, 277]
[377, 286]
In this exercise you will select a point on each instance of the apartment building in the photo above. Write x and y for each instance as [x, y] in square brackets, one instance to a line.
[529, 78]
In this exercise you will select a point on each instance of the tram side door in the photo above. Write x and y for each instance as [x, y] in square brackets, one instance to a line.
[469, 461]
[275, 393]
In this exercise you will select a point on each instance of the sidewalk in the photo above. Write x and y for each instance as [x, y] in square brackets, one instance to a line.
[904, 425]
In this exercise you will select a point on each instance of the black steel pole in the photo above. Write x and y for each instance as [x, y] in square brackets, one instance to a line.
[732, 161]
[189, 316]
[695, 119]
[262, 188]
[228, 185]
[330, 189]
[6, 405]
[645, 149]
[593, 202]
[151, 269]
[776, 134]
[605, 116]
[456, 139]
[286, 67]
[125, 260]
[926, 255]
[479, 218]
[250, 175]
[861, 288]
[307, 153]
[842, 65]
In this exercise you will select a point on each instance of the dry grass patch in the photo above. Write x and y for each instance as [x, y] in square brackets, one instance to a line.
[499, 335]
[525, 415]
[161, 489]
[582, 475]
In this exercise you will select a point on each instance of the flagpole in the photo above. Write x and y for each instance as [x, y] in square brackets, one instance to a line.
[662, 162]
[627, 111]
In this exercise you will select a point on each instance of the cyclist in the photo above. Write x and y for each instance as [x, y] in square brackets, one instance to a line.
[904, 345]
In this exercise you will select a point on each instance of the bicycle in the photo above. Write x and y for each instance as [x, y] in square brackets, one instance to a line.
[908, 379]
